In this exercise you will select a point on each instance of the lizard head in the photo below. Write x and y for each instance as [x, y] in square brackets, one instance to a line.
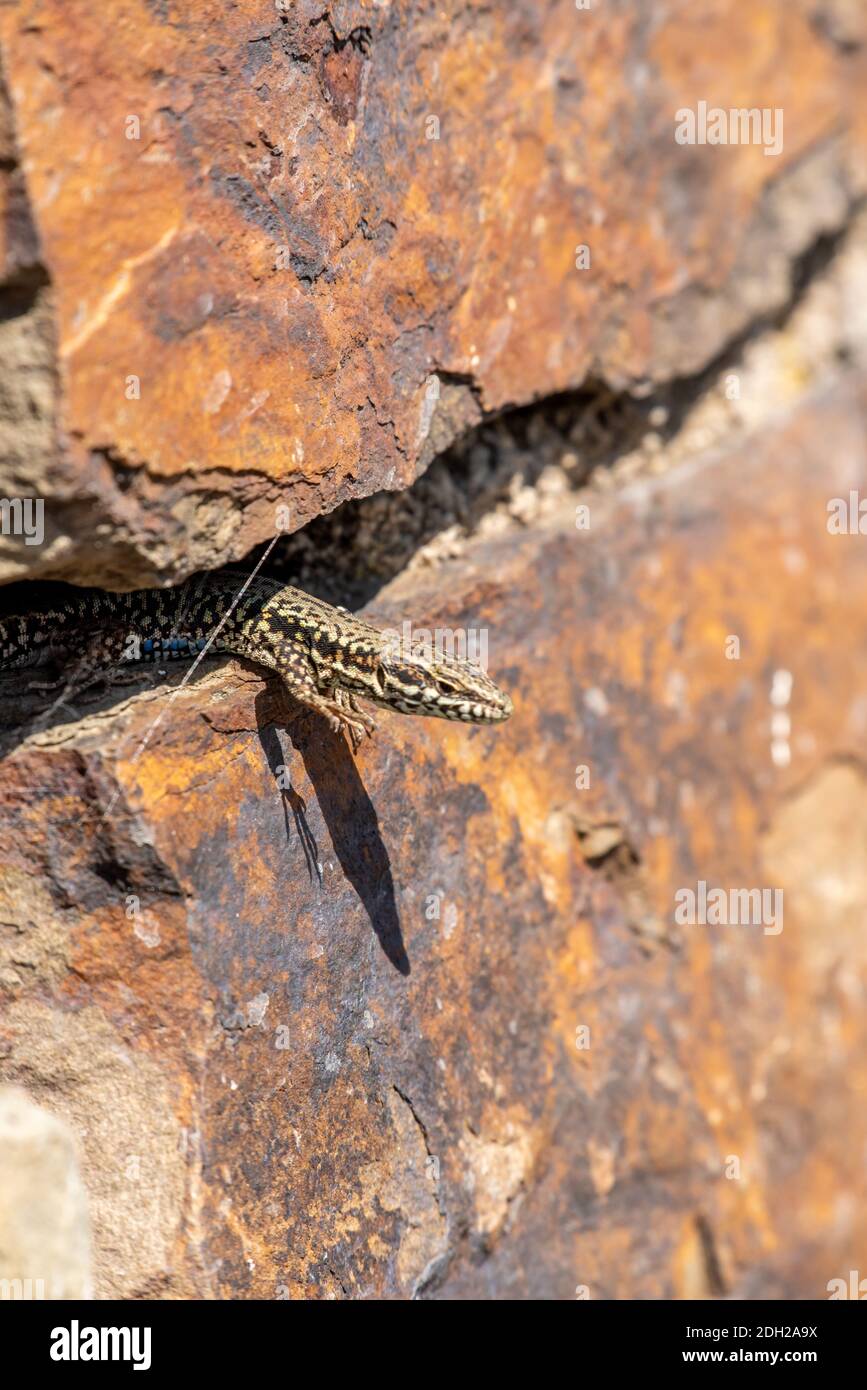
[447, 687]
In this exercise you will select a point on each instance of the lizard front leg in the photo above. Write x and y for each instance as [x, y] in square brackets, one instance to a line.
[294, 666]
[333, 705]
[348, 701]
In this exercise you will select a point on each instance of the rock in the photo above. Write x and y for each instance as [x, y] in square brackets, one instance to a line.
[44, 1227]
[391, 1030]
[272, 259]
[452, 1018]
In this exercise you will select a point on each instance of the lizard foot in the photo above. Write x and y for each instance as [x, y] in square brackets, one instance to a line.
[359, 724]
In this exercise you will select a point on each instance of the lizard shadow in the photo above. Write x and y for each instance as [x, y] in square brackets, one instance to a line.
[346, 808]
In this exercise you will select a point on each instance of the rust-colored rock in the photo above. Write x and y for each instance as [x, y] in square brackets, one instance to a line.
[426, 1021]
[287, 252]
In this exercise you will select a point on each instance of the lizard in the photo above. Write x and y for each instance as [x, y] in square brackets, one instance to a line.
[327, 658]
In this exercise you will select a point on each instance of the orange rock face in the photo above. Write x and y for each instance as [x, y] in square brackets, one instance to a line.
[431, 1020]
[568, 1008]
[292, 251]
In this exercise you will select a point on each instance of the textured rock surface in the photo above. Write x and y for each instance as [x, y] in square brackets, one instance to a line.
[286, 252]
[44, 1225]
[426, 1021]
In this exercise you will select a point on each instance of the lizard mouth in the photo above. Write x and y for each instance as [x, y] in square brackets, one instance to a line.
[474, 711]
[498, 714]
